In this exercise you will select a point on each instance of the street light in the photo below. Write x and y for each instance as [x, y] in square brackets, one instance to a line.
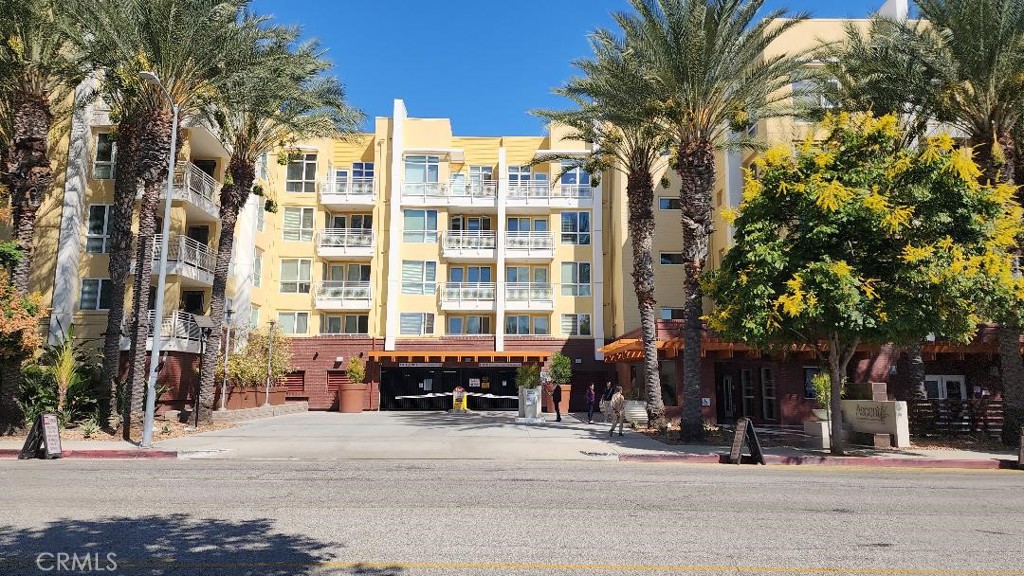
[270, 359]
[227, 352]
[161, 283]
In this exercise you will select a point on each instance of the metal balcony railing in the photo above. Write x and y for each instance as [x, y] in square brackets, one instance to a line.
[342, 290]
[345, 238]
[469, 239]
[542, 189]
[529, 292]
[350, 189]
[196, 186]
[529, 241]
[456, 293]
[451, 190]
[185, 250]
[474, 188]
[179, 325]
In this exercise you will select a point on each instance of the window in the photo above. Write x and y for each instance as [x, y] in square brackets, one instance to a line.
[106, 157]
[422, 169]
[254, 315]
[301, 176]
[668, 203]
[419, 277]
[525, 224]
[295, 275]
[671, 258]
[809, 96]
[293, 322]
[351, 272]
[351, 221]
[96, 294]
[575, 279]
[575, 175]
[469, 325]
[518, 175]
[261, 216]
[420, 226]
[479, 174]
[576, 228]
[747, 388]
[472, 274]
[769, 404]
[362, 171]
[809, 374]
[519, 324]
[541, 325]
[347, 324]
[298, 224]
[576, 324]
[257, 267]
[671, 313]
[261, 167]
[416, 323]
[98, 229]
[469, 223]
[946, 387]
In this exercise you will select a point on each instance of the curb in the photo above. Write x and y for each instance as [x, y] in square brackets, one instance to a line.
[867, 462]
[129, 454]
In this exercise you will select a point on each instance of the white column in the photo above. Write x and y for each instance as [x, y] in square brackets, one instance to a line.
[69, 248]
[499, 317]
[394, 202]
[597, 270]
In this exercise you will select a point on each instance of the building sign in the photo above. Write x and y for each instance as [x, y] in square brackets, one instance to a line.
[531, 396]
[474, 382]
[500, 364]
[873, 417]
[419, 364]
[43, 439]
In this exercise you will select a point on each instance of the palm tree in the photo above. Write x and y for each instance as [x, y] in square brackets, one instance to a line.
[707, 61]
[196, 47]
[968, 57]
[288, 100]
[614, 112]
[36, 77]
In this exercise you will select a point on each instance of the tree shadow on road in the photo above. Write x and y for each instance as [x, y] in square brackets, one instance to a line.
[173, 545]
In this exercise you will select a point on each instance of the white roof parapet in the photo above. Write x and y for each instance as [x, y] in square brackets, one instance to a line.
[895, 9]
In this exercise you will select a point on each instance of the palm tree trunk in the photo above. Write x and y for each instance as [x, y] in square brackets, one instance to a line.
[126, 186]
[27, 174]
[696, 167]
[232, 199]
[154, 143]
[917, 371]
[640, 195]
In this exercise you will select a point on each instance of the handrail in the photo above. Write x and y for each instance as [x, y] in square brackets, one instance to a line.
[186, 250]
[345, 238]
[458, 292]
[534, 240]
[189, 178]
[352, 186]
[179, 324]
[451, 189]
[470, 239]
[529, 292]
[545, 190]
[342, 290]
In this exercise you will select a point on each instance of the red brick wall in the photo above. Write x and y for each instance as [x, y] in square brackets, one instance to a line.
[179, 375]
[317, 355]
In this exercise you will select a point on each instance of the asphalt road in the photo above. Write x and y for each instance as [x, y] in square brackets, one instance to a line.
[270, 518]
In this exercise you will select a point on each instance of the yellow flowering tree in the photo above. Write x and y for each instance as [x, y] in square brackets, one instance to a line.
[855, 239]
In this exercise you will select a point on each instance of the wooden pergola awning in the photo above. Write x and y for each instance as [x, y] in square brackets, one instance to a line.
[526, 356]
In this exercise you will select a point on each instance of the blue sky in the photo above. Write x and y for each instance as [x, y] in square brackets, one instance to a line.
[483, 63]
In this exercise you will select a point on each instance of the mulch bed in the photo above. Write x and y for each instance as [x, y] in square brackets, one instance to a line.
[164, 431]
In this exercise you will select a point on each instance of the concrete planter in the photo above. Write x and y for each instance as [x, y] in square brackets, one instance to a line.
[820, 414]
[636, 411]
[530, 403]
[351, 396]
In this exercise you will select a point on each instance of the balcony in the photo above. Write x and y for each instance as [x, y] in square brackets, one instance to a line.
[482, 194]
[529, 246]
[333, 295]
[468, 296]
[529, 296]
[469, 245]
[191, 261]
[179, 332]
[196, 191]
[542, 195]
[345, 243]
[349, 193]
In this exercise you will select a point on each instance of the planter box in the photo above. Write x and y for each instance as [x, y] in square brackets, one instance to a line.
[350, 397]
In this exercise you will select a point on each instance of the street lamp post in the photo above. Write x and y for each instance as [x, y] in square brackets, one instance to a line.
[227, 352]
[161, 284]
[270, 360]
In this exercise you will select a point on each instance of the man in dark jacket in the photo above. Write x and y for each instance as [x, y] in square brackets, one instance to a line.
[556, 399]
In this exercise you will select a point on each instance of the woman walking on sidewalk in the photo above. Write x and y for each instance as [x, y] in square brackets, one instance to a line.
[590, 403]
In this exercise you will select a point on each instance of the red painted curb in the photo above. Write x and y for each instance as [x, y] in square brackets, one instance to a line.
[866, 461]
[100, 454]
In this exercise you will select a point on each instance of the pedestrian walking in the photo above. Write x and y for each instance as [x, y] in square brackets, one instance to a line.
[618, 406]
[591, 397]
[606, 400]
[556, 399]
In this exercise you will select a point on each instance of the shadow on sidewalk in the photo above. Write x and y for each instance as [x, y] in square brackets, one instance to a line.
[171, 545]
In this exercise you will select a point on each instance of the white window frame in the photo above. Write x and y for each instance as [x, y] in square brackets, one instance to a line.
[576, 238]
[109, 165]
[302, 285]
[343, 321]
[303, 233]
[95, 305]
[257, 267]
[519, 174]
[305, 185]
[104, 237]
[261, 216]
[295, 315]
[572, 286]
[547, 326]
[772, 400]
[670, 254]
[665, 203]
[254, 315]
[424, 236]
[577, 320]
[424, 286]
[518, 320]
[426, 323]
[943, 381]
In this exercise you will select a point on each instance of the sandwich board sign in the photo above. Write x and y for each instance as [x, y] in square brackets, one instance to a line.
[745, 434]
[43, 440]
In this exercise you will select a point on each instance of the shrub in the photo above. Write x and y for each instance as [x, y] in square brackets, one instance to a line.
[561, 368]
[528, 376]
[356, 370]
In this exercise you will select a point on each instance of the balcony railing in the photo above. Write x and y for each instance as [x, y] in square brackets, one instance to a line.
[543, 190]
[342, 291]
[179, 325]
[467, 293]
[185, 250]
[530, 241]
[194, 185]
[452, 190]
[345, 238]
[529, 292]
[469, 240]
[351, 190]
[474, 188]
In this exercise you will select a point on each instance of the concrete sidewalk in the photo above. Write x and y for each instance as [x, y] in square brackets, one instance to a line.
[91, 449]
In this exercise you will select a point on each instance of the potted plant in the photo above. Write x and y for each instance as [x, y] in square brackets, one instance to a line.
[352, 393]
[528, 381]
[560, 374]
[822, 385]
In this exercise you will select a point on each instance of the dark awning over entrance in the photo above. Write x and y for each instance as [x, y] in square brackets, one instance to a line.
[460, 356]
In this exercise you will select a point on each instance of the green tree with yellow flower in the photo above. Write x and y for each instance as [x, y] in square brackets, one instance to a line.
[855, 239]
